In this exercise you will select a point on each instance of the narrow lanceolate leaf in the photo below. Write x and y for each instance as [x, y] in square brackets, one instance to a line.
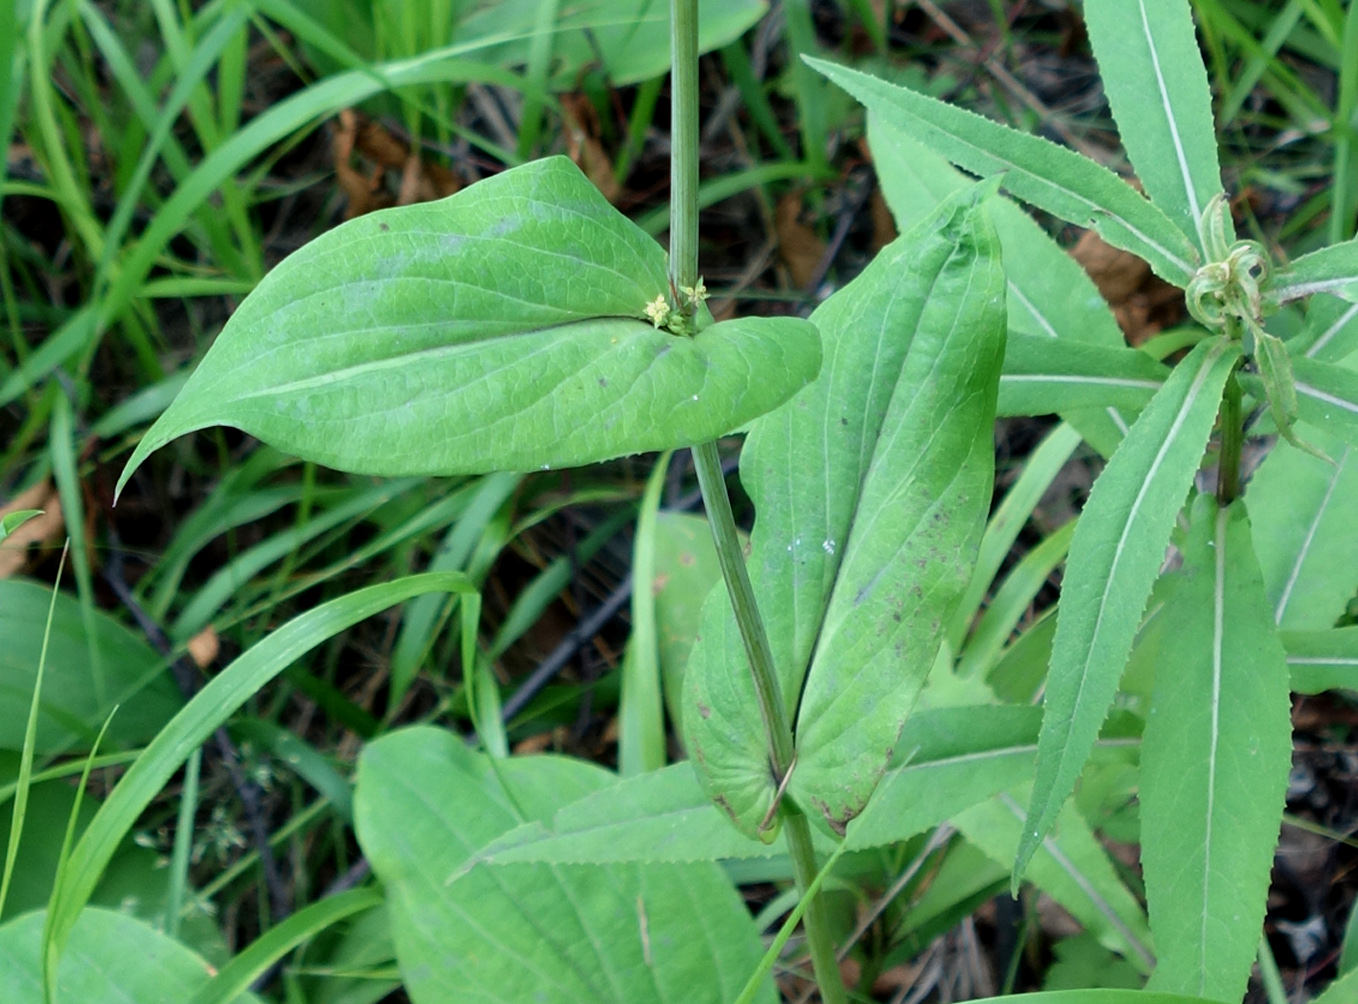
[1327, 397]
[1114, 559]
[1050, 177]
[1157, 86]
[1330, 270]
[1214, 764]
[500, 329]
[1322, 660]
[849, 496]
[1043, 376]
[1304, 510]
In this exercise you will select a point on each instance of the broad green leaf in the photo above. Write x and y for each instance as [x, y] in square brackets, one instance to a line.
[11, 521]
[469, 931]
[1330, 270]
[870, 489]
[134, 676]
[1114, 559]
[111, 957]
[198, 719]
[1047, 292]
[1322, 660]
[1157, 87]
[913, 536]
[1071, 866]
[1303, 510]
[499, 329]
[1043, 376]
[1039, 172]
[1214, 763]
[1327, 397]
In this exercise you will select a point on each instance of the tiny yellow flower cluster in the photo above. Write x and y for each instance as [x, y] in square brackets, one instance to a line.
[662, 315]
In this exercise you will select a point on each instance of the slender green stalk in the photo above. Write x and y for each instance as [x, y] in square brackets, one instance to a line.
[757, 650]
[684, 146]
[1232, 440]
[684, 274]
[815, 921]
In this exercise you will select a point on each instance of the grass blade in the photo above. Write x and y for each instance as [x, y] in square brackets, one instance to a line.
[199, 718]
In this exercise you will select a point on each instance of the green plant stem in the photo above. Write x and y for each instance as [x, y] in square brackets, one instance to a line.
[771, 707]
[684, 146]
[1232, 440]
[684, 273]
[815, 921]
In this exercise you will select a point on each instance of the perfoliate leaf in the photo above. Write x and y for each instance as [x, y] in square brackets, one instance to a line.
[1043, 376]
[1050, 177]
[1330, 270]
[1115, 556]
[465, 930]
[1214, 763]
[503, 328]
[870, 489]
[1157, 86]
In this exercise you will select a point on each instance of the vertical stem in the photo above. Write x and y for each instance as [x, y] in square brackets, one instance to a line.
[684, 272]
[1232, 440]
[684, 144]
[814, 920]
[771, 707]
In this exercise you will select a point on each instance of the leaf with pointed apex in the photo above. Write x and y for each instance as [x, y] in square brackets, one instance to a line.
[425, 804]
[502, 328]
[1047, 293]
[1045, 375]
[11, 521]
[1280, 387]
[1330, 270]
[1072, 867]
[870, 488]
[950, 759]
[1304, 510]
[1214, 763]
[1050, 177]
[1115, 556]
[1152, 71]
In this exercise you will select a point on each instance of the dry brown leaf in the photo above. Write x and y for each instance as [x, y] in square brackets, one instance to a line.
[583, 146]
[883, 223]
[358, 137]
[203, 647]
[798, 245]
[1142, 302]
[44, 529]
[362, 193]
[1117, 273]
